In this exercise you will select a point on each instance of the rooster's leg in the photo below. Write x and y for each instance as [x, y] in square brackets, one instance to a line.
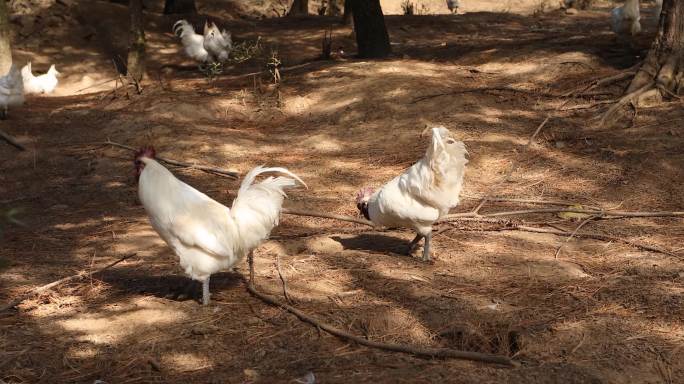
[250, 260]
[414, 243]
[205, 291]
[426, 247]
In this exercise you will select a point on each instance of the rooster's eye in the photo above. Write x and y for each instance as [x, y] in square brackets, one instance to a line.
[451, 141]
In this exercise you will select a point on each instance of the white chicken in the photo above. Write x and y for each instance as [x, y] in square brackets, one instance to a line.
[206, 235]
[45, 83]
[212, 47]
[453, 5]
[218, 43]
[11, 91]
[626, 19]
[423, 193]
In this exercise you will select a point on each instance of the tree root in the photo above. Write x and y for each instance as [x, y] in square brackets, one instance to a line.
[630, 97]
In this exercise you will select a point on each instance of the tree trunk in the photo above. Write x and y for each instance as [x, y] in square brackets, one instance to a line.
[299, 8]
[179, 7]
[136, 40]
[347, 15]
[663, 68]
[5, 48]
[372, 39]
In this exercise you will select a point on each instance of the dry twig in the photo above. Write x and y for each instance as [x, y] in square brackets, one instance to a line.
[282, 278]
[301, 212]
[213, 170]
[404, 348]
[80, 275]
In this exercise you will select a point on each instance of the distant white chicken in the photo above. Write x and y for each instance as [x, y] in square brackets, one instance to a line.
[658, 8]
[212, 47]
[45, 83]
[11, 91]
[626, 19]
[453, 5]
[206, 235]
[218, 43]
[423, 193]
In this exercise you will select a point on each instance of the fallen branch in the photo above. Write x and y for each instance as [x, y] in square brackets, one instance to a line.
[300, 212]
[489, 217]
[530, 201]
[81, 275]
[587, 235]
[484, 89]
[598, 213]
[214, 170]
[410, 349]
[12, 140]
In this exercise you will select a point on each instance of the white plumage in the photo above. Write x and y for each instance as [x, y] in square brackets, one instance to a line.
[453, 5]
[11, 90]
[213, 46]
[626, 19]
[45, 83]
[217, 43]
[423, 193]
[206, 235]
[193, 43]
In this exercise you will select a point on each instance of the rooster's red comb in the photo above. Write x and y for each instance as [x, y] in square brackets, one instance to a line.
[146, 151]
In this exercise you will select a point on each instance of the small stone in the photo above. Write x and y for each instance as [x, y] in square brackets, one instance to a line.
[571, 11]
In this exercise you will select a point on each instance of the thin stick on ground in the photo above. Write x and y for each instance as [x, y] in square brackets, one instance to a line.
[11, 140]
[404, 348]
[81, 275]
[487, 217]
[213, 170]
[582, 224]
[282, 279]
[301, 212]
[513, 167]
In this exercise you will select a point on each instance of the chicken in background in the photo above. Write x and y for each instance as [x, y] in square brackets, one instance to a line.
[193, 43]
[212, 47]
[453, 6]
[217, 43]
[11, 91]
[206, 235]
[423, 193]
[45, 83]
[626, 19]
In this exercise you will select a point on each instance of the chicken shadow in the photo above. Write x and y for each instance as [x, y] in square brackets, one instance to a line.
[375, 243]
[171, 287]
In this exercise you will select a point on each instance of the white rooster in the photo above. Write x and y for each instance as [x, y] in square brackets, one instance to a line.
[11, 91]
[453, 5]
[218, 43]
[423, 193]
[626, 19]
[212, 47]
[45, 83]
[206, 235]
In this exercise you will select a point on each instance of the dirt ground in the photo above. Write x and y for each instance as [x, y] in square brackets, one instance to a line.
[602, 312]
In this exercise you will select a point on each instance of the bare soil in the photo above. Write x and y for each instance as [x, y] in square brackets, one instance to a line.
[602, 312]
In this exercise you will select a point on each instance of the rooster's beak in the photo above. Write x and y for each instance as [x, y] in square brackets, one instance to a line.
[427, 128]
